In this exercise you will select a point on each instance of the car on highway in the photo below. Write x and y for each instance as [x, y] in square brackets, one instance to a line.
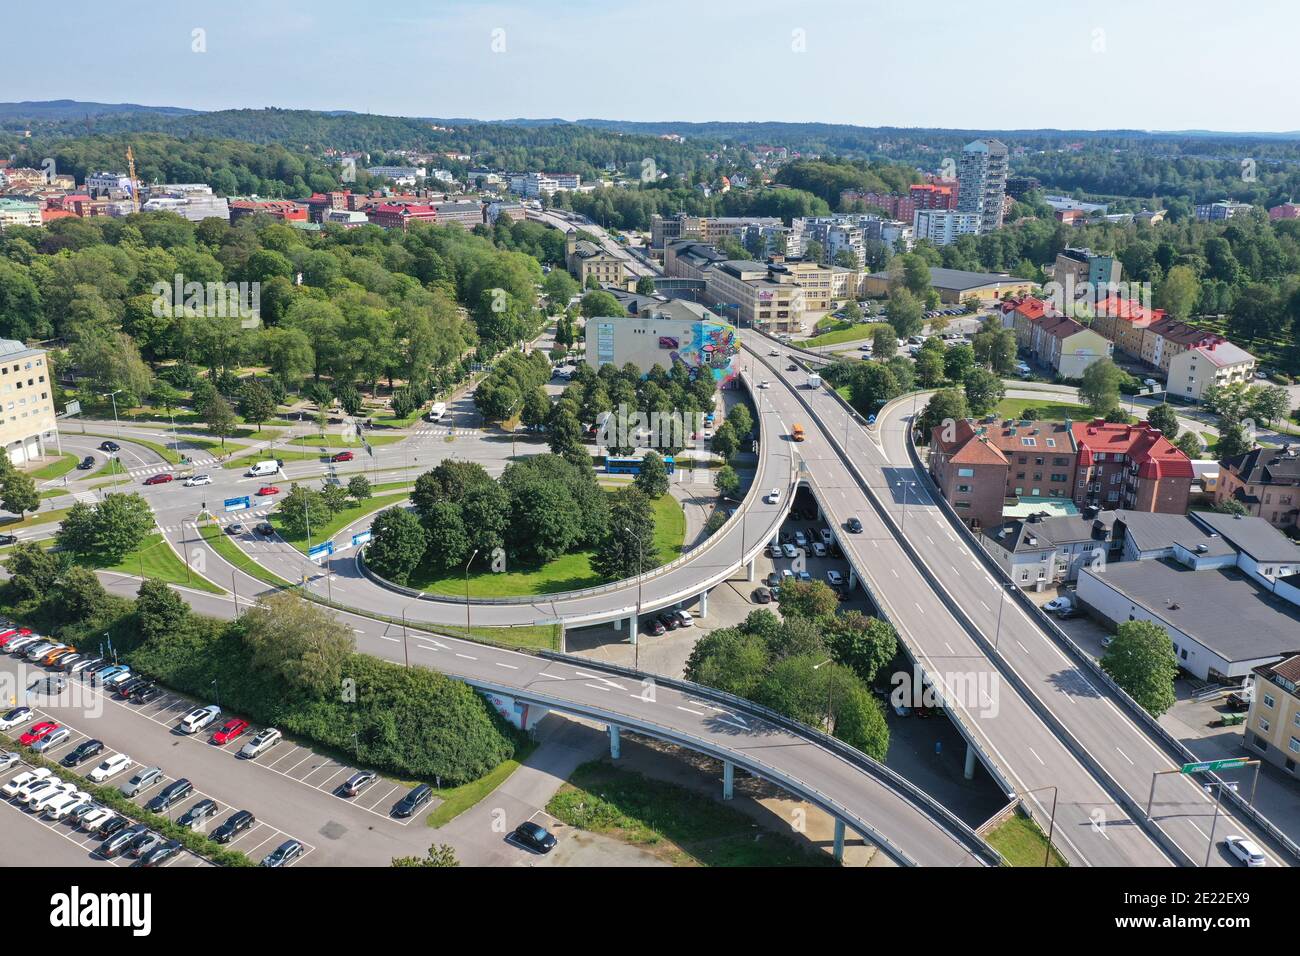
[358, 782]
[267, 490]
[198, 813]
[234, 529]
[261, 743]
[231, 729]
[118, 842]
[765, 384]
[86, 463]
[762, 595]
[143, 779]
[195, 480]
[109, 767]
[772, 353]
[109, 446]
[1246, 851]
[853, 525]
[160, 479]
[284, 854]
[14, 717]
[197, 719]
[234, 825]
[161, 853]
[83, 752]
[342, 456]
[535, 837]
[38, 732]
[773, 496]
[792, 367]
[417, 797]
[8, 539]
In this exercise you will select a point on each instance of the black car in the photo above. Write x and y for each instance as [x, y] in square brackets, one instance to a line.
[111, 827]
[762, 596]
[669, 621]
[86, 463]
[234, 825]
[145, 842]
[357, 782]
[284, 854]
[773, 580]
[146, 692]
[8, 539]
[854, 525]
[176, 790]
[128, 687]
[200, 811]
[792, 367]
[413, 801]
[652, 626]
[161, 853]
[264, 529]
[234, 529]
[109, 446]
[83, 751]
[535, 837]
[120, 840]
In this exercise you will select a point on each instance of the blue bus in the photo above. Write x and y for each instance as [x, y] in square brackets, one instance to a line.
[632, 466]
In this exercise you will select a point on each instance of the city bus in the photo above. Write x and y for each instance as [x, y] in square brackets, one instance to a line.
[632, 466]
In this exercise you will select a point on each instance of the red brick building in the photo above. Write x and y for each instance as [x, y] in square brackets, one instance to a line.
[284, 210]
[1130, 466]
[400, 217]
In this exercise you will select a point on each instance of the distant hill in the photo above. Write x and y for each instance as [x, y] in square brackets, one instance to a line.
[62, 110]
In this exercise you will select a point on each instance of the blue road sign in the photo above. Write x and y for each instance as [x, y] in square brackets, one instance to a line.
[361, 538]
[238, 504]
[321, 551]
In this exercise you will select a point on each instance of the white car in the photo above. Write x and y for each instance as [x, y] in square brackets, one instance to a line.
[60, 807]
[818, 549]
[17, 647]
[773, 496]
[684, 618]
[765, 384]
[196, 720]
[790, 550]
[260, 744]
[39, 797]
[15, 717]
[15, 786]
[1245, 851]
[7, 760]
[773, 352]
[834, 578]
[53, 739]
[110, 767]
[96, 818]
[1150, 382]
[193, 480]
[1058, 604]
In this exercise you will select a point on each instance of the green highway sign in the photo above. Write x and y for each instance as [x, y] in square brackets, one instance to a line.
[1230, 763]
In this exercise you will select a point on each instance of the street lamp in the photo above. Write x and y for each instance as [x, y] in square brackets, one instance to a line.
[1217, 786]
[1002, 600]
[117, 425]
[467, 564]
[905, 485]
[1051, 823]
[830, 697]
[636, 624]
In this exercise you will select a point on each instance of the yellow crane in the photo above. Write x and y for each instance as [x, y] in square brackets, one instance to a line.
[135, 183]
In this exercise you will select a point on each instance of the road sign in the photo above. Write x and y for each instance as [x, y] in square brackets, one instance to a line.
[72, 408]
[1229, 763]
[238, 504]
[360, 538]
[321, 551]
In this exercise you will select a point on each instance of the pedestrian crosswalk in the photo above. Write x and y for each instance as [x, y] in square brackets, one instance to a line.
[144, 471]
[248, 514]
[443, 431]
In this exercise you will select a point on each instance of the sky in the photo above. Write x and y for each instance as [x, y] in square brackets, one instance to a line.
[997, 64]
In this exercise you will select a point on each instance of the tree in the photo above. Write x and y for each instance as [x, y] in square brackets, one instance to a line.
[957, 361]
[948, 405]
[653, 476]
[1231, 506]
[397, 544]
[883, 342]
[32, 570]
[1270, 403]
[1189, 443]
[906, 314]
[863, 644]
[1100, 386]
[730, 660]
[301, 509]
[108, 531]
[1179, 291]
[545, 521]
[18, 493]
[298, 641]
[256, 403]
[872, 385]
[440, 854]
[485, 511]
[726, 481]
[1233, 441]
[813, 600]
[160, 611]
[929, 368]
[1141, 660]
[725, 441]
[983, 390]
[446, 542]
[599, 303]
[627, 547]
[220, 418]
[359, 488]
[645, 285]
[1164, 418]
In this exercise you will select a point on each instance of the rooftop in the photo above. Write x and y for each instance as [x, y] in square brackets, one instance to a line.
[1252, 536]
[1154, 454]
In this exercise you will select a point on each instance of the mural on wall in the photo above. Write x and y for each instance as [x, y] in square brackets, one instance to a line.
[713, 345]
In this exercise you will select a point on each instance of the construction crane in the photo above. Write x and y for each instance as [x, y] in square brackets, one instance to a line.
[135, 183]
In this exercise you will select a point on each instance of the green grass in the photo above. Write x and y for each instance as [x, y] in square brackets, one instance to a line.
[56, 469]
[113, 468]
[339, 441]
[456, 800]
[166, 453]
[242, 460]
[1022, 843]
[13, 522]
[569, 572]
[231, 552]
[837, 336]
[155, 559]
[678, 825]
[336, 523]
[1045, 411]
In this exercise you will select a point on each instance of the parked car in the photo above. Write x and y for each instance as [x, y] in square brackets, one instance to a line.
[416, 798]
[669, 623]
[1246, 851]
[762, 595]
[83, 752]
[358, 782]
[196, 720]
[161, 853]
[144, 843]
[261, 743]
[684, 618]
[95, 818]
[160, 479]
[818, 549]
[109, 767]
[535, 837]
[24, 779]
[146, 693]
[9, 758]
[230, 730]
[198, 813]
[234, 825]
[38, 732]
[128, 687]
[284, 854]
[15, 717]
[118, 842]
[143, 779]
[652, 626]
[113, 825]
[176, 790]
[834, 578]
[1058, 604]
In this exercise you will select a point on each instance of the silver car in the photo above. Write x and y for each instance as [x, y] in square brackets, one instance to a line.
[142, 780]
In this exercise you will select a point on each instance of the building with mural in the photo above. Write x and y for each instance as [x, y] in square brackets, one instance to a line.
[675, 331]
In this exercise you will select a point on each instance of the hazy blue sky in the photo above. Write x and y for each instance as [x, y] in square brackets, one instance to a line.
[1150, 64]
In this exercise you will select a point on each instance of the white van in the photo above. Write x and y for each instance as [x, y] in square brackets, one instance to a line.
[435, 413]
[196, 720]
[263, 468]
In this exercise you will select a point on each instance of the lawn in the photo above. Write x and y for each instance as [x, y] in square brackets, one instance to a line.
[1022, 843]
[168, 454]
[340, 441]
[244, 459]
[12, 523]
[1045, 411]
[336, 523]
[456, 800]
[851, 333]
[231, 552]
[56, 469]
[569, 572]
[155, 559]
[678, 825]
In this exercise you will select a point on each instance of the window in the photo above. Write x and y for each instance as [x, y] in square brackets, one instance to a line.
[1294, 745]
[1269, 701]
[1263, 724]
[965, 472]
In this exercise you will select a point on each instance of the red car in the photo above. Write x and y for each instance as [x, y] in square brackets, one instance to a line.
[43, 729]
[12, 633]
[342, 456]
[267, 490]
[232, 729]
[160, 479]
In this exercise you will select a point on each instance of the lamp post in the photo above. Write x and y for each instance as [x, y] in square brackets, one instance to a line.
[1002, 600]
[467, 564]
[636, 625]
[1051, 823]
[905, 485]
[1217, 786]
[830, 697]
[117, 425]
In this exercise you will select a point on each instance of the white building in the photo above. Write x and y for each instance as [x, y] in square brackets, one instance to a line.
[15, 212]
[401, 175]
[28, 427]
[944, 226]
[102, 184]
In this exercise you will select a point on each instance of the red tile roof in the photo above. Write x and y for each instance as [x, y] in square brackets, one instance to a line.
[1128, 310]
[1155, 455]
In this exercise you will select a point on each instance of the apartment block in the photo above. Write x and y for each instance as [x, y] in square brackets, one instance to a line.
[28, 426]
[982, 179]
[1273, 723]
[1064, 345]
[1213, 362]
[945, 226]
[1266, 481]
[1130, 466]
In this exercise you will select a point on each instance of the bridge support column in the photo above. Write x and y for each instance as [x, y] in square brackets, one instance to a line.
[704, 604]
[563, 643]
[969, 771]
[728, 779]
[615, 751]
[839, 841]
[632, 628]
[853, 579]
[749, 571]
[618, 624]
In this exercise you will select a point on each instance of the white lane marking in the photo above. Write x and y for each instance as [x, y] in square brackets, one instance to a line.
[512, 667]
[697, 713]
[466, 656]
[1126, 756]
[597, 687]
[1036, 757]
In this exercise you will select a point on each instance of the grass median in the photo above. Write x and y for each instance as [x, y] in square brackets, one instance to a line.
[156, 559]
[337, 523]
[56, 469]
[1022, 843]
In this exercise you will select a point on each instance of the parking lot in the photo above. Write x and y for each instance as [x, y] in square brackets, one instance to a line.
[292, 790]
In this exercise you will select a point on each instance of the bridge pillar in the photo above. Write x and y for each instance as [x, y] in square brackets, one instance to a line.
[633, 628]
[704, 604]
[563, 642]
[969, 771]
[749, 570]
[614, 749]
[853, 579]
[728, 779]
[618, 624]
[839, 841]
